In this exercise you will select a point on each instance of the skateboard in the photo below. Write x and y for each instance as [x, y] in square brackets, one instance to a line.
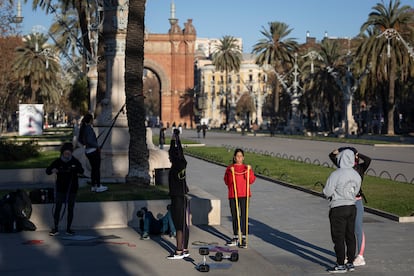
[221, 252]
[204, 266]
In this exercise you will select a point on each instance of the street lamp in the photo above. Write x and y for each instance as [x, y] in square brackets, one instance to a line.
[294, 91]
[18, 18]
[392, 33]
[349, 125]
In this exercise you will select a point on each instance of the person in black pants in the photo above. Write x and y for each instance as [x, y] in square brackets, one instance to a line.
[66, 168]
[178, 192]
[341, 189]
[87, 137]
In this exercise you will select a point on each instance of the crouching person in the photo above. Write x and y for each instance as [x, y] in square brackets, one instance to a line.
[148, 224]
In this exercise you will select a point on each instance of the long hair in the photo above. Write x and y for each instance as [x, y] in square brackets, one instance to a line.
[87, 119]
[235, 153]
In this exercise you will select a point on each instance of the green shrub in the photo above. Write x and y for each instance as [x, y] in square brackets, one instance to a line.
[10, 151]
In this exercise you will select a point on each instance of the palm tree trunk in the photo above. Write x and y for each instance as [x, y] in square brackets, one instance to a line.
[391, 96]
[134, 67]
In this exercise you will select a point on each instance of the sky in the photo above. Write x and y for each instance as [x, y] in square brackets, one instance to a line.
[246, 19]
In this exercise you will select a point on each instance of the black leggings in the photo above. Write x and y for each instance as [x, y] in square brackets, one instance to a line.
[69, 199]
[95, 161]
[179, 206]
[242, 209]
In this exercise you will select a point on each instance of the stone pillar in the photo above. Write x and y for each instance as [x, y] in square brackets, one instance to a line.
[114, 133]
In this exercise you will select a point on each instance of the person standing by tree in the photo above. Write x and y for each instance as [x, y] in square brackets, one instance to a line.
[361, 168]
[87, 137]
[178, 193]
[341, 189]
[237, 178]
[66, 168]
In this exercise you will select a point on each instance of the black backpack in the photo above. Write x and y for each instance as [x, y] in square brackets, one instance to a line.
[15, 212]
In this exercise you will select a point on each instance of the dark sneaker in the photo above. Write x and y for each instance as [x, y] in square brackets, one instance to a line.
[350, 266]
[338, 269]
[70, 232]
[243, 243]
[54, 232]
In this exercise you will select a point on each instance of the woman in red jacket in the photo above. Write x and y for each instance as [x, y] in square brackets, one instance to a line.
[238, 178]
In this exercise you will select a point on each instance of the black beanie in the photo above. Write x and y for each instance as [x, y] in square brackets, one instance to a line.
[66, 146]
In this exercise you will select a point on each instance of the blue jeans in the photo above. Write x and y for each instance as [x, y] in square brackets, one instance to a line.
[359, 233]
[158, 226]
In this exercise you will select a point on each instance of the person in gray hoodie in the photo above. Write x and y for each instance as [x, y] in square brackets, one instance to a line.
[341, 189]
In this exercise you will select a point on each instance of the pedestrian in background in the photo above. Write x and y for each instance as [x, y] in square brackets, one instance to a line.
[341, 189]
[162, 137]
[66, 168]
[361, 165]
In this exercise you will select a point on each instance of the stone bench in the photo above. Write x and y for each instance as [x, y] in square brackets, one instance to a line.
[205, 210]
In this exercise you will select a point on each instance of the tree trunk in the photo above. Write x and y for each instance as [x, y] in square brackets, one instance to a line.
[134, 66]
[391, 96]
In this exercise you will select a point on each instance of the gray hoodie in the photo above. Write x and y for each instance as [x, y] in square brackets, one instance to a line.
[344, 183]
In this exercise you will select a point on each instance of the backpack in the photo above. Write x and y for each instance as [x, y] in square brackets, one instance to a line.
[15, 211]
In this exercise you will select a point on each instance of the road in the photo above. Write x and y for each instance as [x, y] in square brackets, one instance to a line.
[394, 161]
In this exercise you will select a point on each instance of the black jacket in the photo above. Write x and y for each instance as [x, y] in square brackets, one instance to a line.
[177, 174]
[67, 176]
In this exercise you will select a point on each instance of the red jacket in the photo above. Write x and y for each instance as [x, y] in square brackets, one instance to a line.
[240, 173]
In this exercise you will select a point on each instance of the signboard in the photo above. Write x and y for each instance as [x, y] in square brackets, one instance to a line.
[30, 119]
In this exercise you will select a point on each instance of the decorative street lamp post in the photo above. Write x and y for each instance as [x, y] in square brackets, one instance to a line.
[294, 91]
[348, 125]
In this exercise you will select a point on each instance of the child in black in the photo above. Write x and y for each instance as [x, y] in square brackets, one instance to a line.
[66, 168]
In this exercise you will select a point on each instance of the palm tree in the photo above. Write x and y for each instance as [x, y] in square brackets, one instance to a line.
[37, 69]
[322, 93]
[378, 49]
[134, 69]
[277, 51]
[227, 57]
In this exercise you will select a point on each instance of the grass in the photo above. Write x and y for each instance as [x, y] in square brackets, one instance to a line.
[42, 161]
[382, 194]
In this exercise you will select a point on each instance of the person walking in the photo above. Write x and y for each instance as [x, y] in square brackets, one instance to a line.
[204, 129]
[238, 177]
[87, 137]
[361, 168]
[66, 168]
[178, 190]
[341, 189]
[162, 137]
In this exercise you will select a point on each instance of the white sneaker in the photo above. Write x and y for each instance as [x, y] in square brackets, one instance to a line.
[101, 189]
[359, 261]
[176, 257]
[232, 242]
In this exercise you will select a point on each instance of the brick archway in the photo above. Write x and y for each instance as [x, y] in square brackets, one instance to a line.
[171, 57]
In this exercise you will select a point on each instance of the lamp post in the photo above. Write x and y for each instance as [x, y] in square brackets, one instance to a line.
[18, 18]
[294, 91]
[259, 93]
[349, 125]
[392, 33]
